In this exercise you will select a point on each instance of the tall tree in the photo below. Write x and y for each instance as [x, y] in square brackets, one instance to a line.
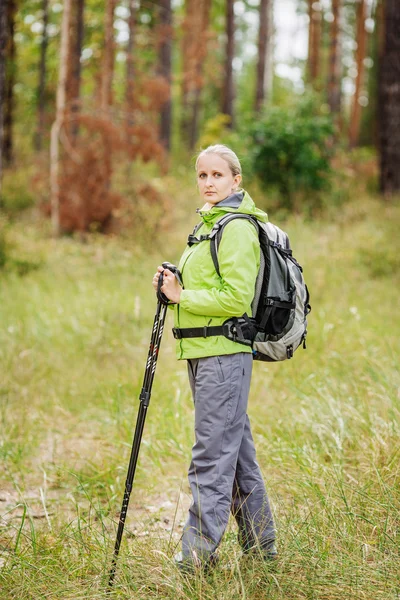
[74, 77]
[130, 65]
[228, 92]
[3, 42]
[11, 65]
[389, 100]
[108, 56]
[38, 139]
[194, 51]
[361, 40]
[60, 115]
[334, 77]
[264, 48]
[314, 41]
[165, 70]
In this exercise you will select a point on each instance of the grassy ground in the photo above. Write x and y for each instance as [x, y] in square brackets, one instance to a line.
[74, 336]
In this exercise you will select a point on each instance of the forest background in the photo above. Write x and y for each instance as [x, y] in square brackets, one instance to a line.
[103, 106]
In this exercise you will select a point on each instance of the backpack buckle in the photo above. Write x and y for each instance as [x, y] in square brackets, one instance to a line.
[176, 332]
[289, 351]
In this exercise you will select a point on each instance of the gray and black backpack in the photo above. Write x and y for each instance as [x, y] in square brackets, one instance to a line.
[278, 324]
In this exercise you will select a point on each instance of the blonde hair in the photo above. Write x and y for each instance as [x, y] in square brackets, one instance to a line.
[227, 154]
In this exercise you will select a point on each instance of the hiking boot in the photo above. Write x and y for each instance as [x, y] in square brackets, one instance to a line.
[270, 553]
[189, 566]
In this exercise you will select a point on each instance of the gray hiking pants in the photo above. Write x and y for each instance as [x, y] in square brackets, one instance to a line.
[224, 475]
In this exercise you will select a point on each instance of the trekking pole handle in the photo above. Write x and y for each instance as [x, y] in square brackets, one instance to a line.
[174, 270]
[160, 295]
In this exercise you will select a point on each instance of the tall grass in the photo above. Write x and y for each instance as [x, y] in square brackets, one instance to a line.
[73, 342]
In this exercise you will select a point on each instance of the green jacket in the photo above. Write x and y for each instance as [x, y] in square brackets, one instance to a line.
[208, 299]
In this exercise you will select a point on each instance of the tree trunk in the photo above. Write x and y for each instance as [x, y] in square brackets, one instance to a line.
[8, 117]
[108, 56]
[314, 41]
[130, 67]
[60, 113]
[38, 138]
[389, 101]
[75, 73]
[194, 51]
[228, 89]
[263, 53]
[3, 42]
[361, 37]
[205, 19]
[334, 78]
[165, 71]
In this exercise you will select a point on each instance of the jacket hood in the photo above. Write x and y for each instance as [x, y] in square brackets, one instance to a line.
[239, 202]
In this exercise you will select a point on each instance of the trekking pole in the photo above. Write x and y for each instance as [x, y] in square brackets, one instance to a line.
[155, 342]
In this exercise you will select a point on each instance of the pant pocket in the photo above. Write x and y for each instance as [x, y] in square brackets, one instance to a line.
[220, 371]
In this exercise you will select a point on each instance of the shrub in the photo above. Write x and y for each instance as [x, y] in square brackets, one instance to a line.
[291, 150]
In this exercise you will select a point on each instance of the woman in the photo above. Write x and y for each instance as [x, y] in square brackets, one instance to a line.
[223, 473]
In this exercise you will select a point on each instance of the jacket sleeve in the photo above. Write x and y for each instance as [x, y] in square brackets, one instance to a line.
[239, 260]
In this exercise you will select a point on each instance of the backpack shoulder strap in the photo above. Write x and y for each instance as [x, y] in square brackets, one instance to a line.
[217, 230]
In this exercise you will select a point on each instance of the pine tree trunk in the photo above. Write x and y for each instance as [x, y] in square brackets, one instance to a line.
[228, 89]
[75, 67]
[205, 19]
[389, 101]
[263, 62]
[60, 114]
[194, 51]
[361, 38]
[165, 71]
[8, 117]
[3, 42]
[334, 79]
[108, 56]
[314, 41]
[38, 138]
[130, 66]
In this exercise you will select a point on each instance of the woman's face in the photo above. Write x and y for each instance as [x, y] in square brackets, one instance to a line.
[215, 179]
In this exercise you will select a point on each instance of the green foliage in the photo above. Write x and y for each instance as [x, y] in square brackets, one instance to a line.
[214, 130]
[291, 150]
[3, 246]
[15, 194]
[12, 257]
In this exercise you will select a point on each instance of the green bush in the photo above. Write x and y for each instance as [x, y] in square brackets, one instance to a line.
[291, 150]
[15, 194]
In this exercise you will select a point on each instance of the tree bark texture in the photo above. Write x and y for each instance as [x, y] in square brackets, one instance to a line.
[108, 56]
[74, 77]
[3, 42]
[361, 38]
[165, 70]
[130, 65]
[264, 47]
[60, 114]
[389, 101]
[38, 139]
[11, 65]
[334, 78]
[314, 41]
[228, 92]
[194, 52]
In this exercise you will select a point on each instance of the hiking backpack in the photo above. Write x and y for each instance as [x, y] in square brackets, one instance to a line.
[278, 325]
